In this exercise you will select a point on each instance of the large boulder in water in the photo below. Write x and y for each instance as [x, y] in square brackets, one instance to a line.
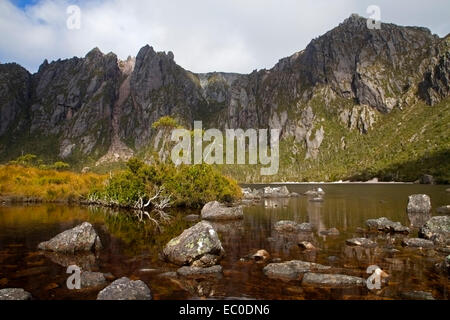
[80, 238]
[193, 245]
[125, 289]
[419, 203]
[436, 229]
[217, 211]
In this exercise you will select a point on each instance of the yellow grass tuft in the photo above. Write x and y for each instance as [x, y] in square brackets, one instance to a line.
[46, 185]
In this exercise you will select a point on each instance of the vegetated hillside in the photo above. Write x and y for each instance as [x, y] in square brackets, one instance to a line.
[354, 104]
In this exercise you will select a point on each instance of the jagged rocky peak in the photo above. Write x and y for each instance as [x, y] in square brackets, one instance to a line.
[99, 105]
[369, 65]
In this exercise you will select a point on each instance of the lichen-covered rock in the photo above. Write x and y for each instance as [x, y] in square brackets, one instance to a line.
[419, 203]
[291, 270]
[193, 244]
[385, 225]
[437, 229]
[80, 238]
[331, 280]
[14, 294]
[125, 289]
[216, 211]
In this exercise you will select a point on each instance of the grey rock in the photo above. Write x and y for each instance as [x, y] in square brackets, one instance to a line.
[292, 226]
[436, 229]
[419, 203]
[125, 289]
[92, 279]
[14, 294]
[81, 238]
[315, 192]
[276, 192]
[331, 280]
[215, 211]
[427, 179]
[193, 244]
[291, 270]
[362, 242]
[417, 243]
[385, 225]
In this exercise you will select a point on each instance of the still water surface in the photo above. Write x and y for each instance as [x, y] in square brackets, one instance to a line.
[132, 250]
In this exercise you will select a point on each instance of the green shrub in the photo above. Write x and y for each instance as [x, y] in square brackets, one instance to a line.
[189, 186]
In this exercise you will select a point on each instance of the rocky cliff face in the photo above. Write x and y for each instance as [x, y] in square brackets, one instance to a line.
[98, 107]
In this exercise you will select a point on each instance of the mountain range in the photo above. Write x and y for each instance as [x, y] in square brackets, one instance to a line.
[356, 103]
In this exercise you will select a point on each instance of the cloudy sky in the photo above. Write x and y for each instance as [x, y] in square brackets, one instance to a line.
[204, 35]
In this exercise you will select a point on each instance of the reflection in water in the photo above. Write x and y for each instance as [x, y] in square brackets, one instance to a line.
[130, 247]
[417, 220]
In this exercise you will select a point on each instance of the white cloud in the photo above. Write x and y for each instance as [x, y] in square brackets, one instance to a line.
[205, 35]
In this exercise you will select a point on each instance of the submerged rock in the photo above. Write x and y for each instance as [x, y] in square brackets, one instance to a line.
[125, 289]
[362, 242]
[419, 203]
[417, 243]
[195, 272]
[385, 225]
[292, 226]
[81, 238]
[331, 280]
[443, 209]
[437, 229]
[92, 279]
[316, 192]
[193, 244]
[291, 270]
[417, 295]
[14, 294]
[84, 260]
[330, 232]
[217, 211]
